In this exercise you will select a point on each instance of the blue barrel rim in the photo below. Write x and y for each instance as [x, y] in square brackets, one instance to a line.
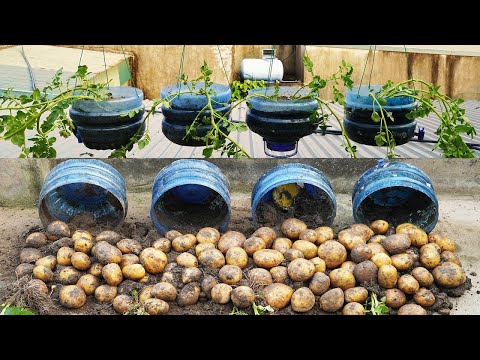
[74, 112]
[188, 101]
[132, 98]
[258, 103]
[361, 99]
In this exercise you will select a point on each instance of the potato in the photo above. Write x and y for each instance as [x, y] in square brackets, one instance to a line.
[129, 246]
[403, 226]
[49, 261]
[56, 245]
[342, 278]
[156, 307]
[267, 234]
[38, 285]
[187, 259]
[301, 270]
[413, 253]
[449, 275]
[387, 276]
[208, 235]
[429, 256]
[445, 244]
[324, 233]
[57, 230]
[167, 276]
[36, 240]
[207, 285]
[221, 293]
[106, 253]
[79, 234]
[424, 297]
[162, 244]
[402, 262]
[446, 256]
[122, 303]
[105, 293]
[230, 274]
[379, 227]
[236, 256]
[88, 283]
[69, 275]
[349, 238]
[242, 297]
[153, 260]
[203, 246]
[377, 239]
[279, 274]
[423, 276]
[292, 254]
[113, 274]
[381, 259]
[83, 245]
[258, 276]
[332, 300]
[353, 308]
[309, 235]
[30, 255]
[43, 273]
[145, 294]
[319, 284]
[23, 269]
[184, 243]
[302, 300]
[408, 284]
[395, 298]
[417, 236]
[129, 259]
[361, 252]
[308, 249]
[164, 291]
[349, 265]
[363, 230]
[267, 258]
[72, 297]
[64, 256]
[108, 236]
[366, 272]
[189, 294]
[376, 248]
[172, 234]
[253, 244]
[133, 272]
[212, 258]
[145, 279]
[411, 309]
[80, 261]
[356, 294]
[191, 274]
[230, 239]
[96, 269]
[333, 253]
[319, 264]
[396, 244]
[278, 296]
[292, 228]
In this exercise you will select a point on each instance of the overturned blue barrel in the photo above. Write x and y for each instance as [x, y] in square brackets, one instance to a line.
[105, 124]
[396, 192]
[86, 188]
[358, 122]
[188, 195]
[312, 199]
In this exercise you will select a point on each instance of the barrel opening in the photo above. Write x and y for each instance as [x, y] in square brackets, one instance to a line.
[312, 205]
[399, 205]
[73, 201]
[190, 207]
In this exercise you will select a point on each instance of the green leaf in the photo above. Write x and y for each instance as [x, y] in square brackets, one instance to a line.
[380, 140]
[207, 152]
[18, 139]
[375, 117]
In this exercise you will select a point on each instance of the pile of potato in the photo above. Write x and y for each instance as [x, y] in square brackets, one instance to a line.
[301, 268]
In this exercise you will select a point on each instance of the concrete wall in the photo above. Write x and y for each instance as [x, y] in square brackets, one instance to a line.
[459, 176]
[458, 76]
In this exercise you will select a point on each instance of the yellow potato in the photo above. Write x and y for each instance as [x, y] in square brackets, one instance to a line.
[395, 298]
[133, 272]
[164, 291]
[408, 284]
[43, 273]
[267, 258]
[356, 294]
[145, 293]
[191, 274]
[105, 293]
[324, 233]
[36, 240]
[301, 270]
[363, 230]
[309, 235]
[106, 253]
[153, 260]
[349, 238]
[208, 235]
[361, 252]
[203, 246]
[129, 246]
[403, 226]
[207, 285]
[122, 303]
[333, 253]
[376, 248]
[64, 256]
[424, 297]
[88, 283]
[96, 269]
[184, 242]
[302, 300]
[353, 308]
[110, 237]
[278, 296]
[332, 300]
[57, 230]
[267, 234]
[242, 297]
[156, 307]
[259, 276]
[319, 284]
[49, 261]
[444, 256]
[379, 227]
[279, 274]
[342, 278]
[83, 243]
[292, 228]
[129, 259]
[396, 244]
[423, 276]
[387, 276]
[221, 293]
[349, 265]
[162, 244]
[411, 309]
[429, 256]
[230, 239]
[212, 258]
[381, 259]
[112, 274]
[253, 244]
[230, 274]
[172, 234]
[292, 254]
[308, 249]
[449, 275]
[377, 239]
[80, 261]
[446, 244]
[72, 297]
[319, 264]
[402, 262]
[417, 236]
[365, 272]
[236, 256]
[189, 294]
[69, 275]
[187, 259]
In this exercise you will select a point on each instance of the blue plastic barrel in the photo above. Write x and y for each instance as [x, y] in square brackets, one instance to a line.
[188, 195]
[83, 186]
[191, 101]
[316, 186]
[396, 192]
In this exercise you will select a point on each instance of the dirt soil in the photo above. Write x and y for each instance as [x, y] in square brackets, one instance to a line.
[18, 223]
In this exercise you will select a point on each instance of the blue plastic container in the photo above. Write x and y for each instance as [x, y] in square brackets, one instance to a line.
[188, 195]
[84, 186]
[358, 122]
[186, 101]
[396, 192]
[315, 184]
